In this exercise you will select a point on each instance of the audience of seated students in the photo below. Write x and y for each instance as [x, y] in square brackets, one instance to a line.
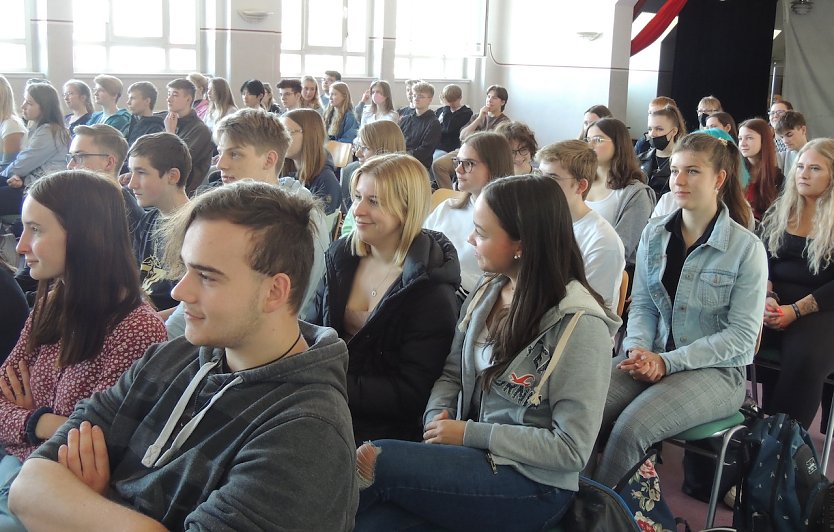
[290, 93]
[755, 140]
[573, 164]
[102, 148]
[159, 165]
[592, 114]
[141, 100]
[505, 438]
[268, 101]
[252, 93]
[667, 204]
[421, 128]
[184, 123]
[379, 104]
[221, 101]
[777, 110]
[389, 292]
[798, 231]
[310, 94]
[487, 119]
[725, 121]
[13, 131]
[89, 323]
[252, 144]
[619, 192]
[45, 149]
[453, 116]
[200, 103]
[660, 102]
[409, 97]
[712, 271]
[79, 100]
[106, 93]
[329, 78]
[522, 144]
[481, 158]
[339, 120]
[313, 165]
[666, 128]
[707, 106]
[375, 138]
[262, 405]
[13, 311]
[793, 131]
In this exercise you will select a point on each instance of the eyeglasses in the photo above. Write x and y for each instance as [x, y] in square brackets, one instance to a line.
[468, 164]
[521, 152]
[596, 140]
[776, 113]
[707, 111]
[79, 157]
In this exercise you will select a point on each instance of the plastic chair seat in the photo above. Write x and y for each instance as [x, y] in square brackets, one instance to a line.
[713, 428]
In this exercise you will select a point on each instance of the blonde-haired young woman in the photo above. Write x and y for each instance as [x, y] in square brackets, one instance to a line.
[339, 120]
[12, 129]
[389, 292]
[310, 94]
[798, 232]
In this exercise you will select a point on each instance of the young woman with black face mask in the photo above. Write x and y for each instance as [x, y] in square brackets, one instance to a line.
[666, 126]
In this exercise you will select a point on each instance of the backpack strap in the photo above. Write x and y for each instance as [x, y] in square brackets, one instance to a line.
[536, 398]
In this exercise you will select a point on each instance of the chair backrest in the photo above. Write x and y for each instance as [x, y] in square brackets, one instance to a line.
[334, 223]
[340, 151]
[442, 194]
[623, 292]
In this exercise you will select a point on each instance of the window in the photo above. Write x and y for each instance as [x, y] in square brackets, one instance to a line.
[14, 39]
[319, 35]
[431, 44]
[135, 37]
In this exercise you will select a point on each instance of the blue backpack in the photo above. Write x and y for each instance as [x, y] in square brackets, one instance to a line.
[782, 488]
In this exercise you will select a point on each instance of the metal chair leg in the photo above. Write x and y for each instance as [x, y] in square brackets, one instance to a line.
[826, 448]
[719, 469]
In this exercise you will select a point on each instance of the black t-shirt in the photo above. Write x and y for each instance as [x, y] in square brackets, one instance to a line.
[148, 247]
[792, 278]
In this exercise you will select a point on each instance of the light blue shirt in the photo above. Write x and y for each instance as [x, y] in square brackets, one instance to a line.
[717, 313]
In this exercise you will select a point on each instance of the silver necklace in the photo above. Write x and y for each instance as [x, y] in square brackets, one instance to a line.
[390, 269]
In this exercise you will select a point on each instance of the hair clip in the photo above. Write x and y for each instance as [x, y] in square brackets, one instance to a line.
[723, 141]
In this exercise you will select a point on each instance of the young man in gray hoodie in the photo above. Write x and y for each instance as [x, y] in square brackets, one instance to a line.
[252, 435]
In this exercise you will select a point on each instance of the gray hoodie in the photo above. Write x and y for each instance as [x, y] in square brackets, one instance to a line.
[549, 443]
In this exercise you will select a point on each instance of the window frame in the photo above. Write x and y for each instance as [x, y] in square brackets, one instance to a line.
[112, 40]
[26, 41]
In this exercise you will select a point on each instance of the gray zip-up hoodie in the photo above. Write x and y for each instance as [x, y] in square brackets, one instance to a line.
[549, 443]
[268, 448]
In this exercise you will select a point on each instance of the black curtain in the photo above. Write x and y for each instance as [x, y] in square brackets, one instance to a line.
[721, 48]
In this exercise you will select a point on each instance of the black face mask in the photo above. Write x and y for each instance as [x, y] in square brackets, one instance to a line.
[659, 142]
[702, 118]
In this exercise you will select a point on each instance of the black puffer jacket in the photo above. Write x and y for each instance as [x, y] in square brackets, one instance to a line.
[399, 353]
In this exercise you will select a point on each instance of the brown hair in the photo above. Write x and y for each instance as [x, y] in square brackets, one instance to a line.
[764, 174]
[495, 152]
[100, 282]
[673, 114]
[521, 133]
[575, 156]
[164, 151]
[624, 167]
[313, 154]
[107, 138]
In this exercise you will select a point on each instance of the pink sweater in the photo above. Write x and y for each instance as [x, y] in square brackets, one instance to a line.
[61, 388]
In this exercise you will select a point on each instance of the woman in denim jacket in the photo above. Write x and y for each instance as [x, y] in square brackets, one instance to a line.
[696, 310]
[512, 437]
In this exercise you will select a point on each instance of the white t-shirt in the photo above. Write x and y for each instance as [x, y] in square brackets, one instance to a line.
[11, 125]
[665, 205]
[603, 254]
[457, 224]
[608, 206]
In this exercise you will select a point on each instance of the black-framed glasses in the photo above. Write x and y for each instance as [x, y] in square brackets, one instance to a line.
[521, 152]
[468, 164]
[79, 157]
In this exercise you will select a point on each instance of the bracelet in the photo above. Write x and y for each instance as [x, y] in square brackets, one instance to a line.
[795, 308]
[32, 422]
[774, 295]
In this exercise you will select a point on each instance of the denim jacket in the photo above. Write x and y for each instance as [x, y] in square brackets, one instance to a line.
[717, 313]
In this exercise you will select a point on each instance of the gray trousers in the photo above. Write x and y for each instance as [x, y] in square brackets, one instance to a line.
[638, 414]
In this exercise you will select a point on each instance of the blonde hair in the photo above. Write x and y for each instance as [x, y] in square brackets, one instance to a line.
[334, 115]
[382, 136]
[111, 84]
[575, 156]
[224, 101]
[199, 81]
[787, 210]
[316, 103]
[7, 108]
[403, 191]
[423, 87]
